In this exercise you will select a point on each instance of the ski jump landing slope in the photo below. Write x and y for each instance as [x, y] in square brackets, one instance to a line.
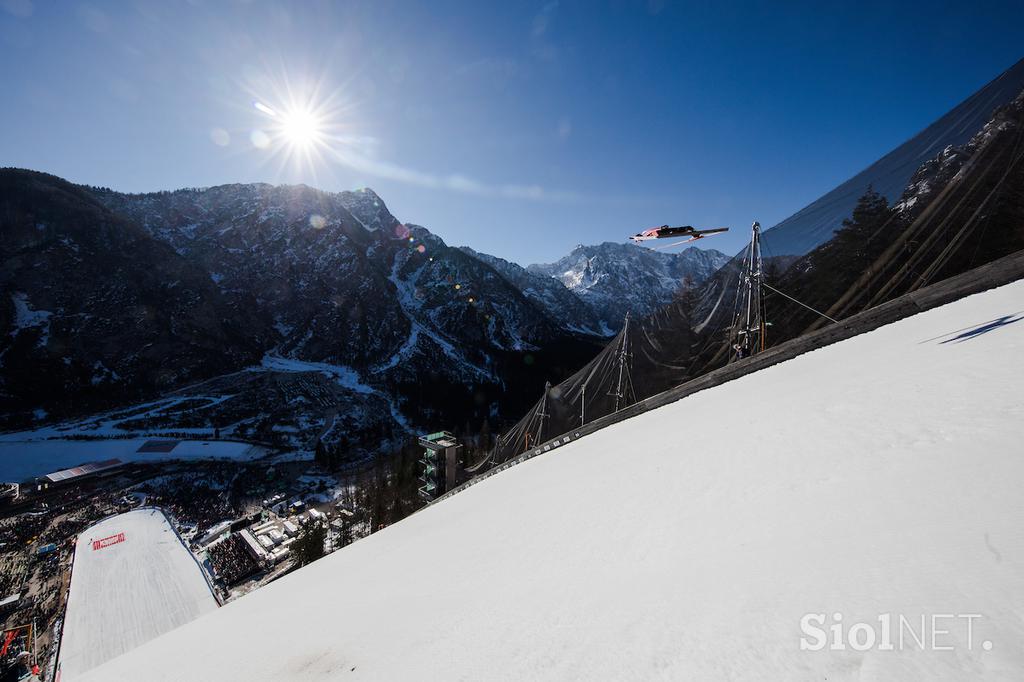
[879, 475]
[132, 580]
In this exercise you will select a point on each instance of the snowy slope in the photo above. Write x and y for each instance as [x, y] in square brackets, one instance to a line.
[877, 475]
[137, 584]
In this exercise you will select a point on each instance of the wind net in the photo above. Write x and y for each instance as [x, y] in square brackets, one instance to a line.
[961, 210]
[644, 358]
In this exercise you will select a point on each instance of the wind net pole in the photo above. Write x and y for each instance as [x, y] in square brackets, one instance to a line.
[622, 359]
[747, 336]
[583, 404]
[542, 412]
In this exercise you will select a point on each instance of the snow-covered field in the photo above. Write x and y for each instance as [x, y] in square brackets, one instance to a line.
[881, 475]
[137, 582]
[112, 424]
[24, 459]
[345, 376]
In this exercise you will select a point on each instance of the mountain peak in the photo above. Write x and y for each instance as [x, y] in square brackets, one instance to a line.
[368, 208]
[615, 278]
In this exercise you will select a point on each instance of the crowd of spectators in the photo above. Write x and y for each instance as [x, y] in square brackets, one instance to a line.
[20, 530]
[231, 560]
[190, 503]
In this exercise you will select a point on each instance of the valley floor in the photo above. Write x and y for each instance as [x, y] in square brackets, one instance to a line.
[22, 460]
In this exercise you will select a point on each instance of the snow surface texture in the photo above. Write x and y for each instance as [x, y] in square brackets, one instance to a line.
[878, 475]
[128, 592]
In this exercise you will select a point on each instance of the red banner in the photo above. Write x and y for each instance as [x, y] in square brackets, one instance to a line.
[107, 542]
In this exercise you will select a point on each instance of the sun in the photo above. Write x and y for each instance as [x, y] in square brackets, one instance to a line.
[301, 128]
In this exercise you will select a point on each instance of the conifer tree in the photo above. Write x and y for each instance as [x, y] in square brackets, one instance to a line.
[860, 238]
[309, 546]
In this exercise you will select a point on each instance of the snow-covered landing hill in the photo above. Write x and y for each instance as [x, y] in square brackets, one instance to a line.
[879, 475]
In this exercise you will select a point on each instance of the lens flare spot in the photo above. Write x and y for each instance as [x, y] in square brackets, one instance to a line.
[401, 231]
[422, 249]
[317, 221]
[259, 139]
[220, 137]
[458, 286]
[261, 107]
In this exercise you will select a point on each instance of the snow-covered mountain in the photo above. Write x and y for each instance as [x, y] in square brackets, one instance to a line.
[335, 291]
[112, 297]
[703, 561]
[283, 314]
[613, 278]
[550, 295]
[815, 223]
[95, 312]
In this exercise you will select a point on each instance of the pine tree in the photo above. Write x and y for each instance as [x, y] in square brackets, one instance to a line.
[345, 538]
[309, 546]
[822, 276]
[860, 237]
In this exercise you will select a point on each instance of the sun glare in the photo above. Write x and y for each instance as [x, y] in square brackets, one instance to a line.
[301, 128]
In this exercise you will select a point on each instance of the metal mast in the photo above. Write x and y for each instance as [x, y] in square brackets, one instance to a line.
[748, 336]
[583, 404]
[623, 357]
[542, 411]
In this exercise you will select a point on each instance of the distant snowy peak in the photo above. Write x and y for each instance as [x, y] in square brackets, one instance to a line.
[550, 295]
[613, 278]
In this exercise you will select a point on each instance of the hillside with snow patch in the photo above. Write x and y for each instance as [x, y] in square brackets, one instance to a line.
[879, 475]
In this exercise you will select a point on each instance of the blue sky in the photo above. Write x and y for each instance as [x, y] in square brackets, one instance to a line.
[518, 128]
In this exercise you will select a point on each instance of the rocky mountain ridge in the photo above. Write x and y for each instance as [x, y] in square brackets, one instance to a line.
[302, 314]
[613, 278]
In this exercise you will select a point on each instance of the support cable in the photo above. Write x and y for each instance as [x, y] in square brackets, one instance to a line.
[769, 286]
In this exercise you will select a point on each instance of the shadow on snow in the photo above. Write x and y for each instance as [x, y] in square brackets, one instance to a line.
[968, 333]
